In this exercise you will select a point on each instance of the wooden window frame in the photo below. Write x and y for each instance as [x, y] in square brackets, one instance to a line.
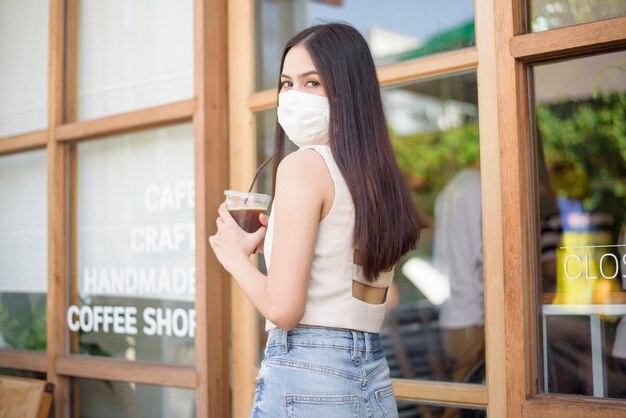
[244, 103]
[23, 142]
[501, 56]
[445, 63]
[207, 111]
[515, 52]
[32, 361]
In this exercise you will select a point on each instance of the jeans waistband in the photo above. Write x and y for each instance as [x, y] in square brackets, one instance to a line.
[359, 343]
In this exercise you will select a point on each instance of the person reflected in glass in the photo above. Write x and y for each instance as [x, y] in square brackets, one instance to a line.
[457, 253]
[341, 219]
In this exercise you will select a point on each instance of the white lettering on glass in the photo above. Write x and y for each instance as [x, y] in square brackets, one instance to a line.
[72, 323]
[162, 238]
[179, 322]
[143, 281]
[122, 320]
[587, 269]
[565, 265]
[179, 195]
[602, 265]
[608, 270]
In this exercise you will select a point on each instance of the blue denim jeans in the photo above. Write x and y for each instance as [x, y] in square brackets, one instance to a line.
[323, 373]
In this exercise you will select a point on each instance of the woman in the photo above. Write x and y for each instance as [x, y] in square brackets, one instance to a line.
[341, 219]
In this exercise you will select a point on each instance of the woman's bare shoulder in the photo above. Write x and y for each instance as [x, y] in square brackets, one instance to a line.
[303, 175]
[302, 164]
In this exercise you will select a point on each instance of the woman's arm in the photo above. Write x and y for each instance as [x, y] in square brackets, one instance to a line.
[302, 185]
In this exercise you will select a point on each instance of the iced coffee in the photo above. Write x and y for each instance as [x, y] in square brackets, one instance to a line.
[246, 207]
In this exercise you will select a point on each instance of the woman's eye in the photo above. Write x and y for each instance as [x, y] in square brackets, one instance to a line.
[312, 83]
[286, 84]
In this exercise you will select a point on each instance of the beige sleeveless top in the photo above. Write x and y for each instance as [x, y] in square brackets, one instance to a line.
[329, 300]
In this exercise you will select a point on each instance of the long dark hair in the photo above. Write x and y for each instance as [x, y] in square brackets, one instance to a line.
[387, 224]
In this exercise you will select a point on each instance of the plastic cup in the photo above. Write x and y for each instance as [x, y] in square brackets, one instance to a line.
[245, 208]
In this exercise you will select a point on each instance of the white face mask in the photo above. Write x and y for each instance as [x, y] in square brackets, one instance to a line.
[304, 117]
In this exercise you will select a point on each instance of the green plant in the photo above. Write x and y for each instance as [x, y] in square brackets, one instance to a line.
[585, 149]
[429, 160]
[23, 320]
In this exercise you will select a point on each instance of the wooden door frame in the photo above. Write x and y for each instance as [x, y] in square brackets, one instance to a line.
[244, 103]
[242, 158]
[501, 57]
[207, 110]
[515, 51]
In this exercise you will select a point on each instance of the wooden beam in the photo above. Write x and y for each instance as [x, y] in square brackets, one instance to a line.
[23, 142]
[573, 407]
[72, 32]
[600, 36]
[73, 38]
[417, 69]
[263, 100]
[242, 157]
[126, 122]
[210, 123]
[121, 370]
[510, 385]
[429, 66]
[488, 104]
[440, 392]
[56, 299]
[33, 361]
[547, 298]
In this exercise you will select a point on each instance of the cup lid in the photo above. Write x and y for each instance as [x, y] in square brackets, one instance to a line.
[250, 196]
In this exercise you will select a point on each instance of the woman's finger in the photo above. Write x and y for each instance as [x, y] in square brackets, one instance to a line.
[225, 214]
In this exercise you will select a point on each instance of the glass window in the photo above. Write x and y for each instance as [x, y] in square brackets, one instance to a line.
[135, 288]
[414, 29]
[581, 146]
[551, 14]
[434, 326]
[133, 54]
[265, 130]
[23, 250]
[105, 399]
[24, 57]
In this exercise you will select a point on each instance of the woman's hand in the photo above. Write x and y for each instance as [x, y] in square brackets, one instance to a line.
[231, 244]
[263, 219]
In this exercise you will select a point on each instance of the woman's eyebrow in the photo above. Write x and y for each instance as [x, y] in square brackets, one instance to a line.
[301, 75]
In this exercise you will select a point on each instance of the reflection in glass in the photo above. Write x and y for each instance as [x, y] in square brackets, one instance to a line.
[23, 250]
[133, 55]
[424, 410]
[413, 30]
[265, 123]
[551, 14]
[135, 288]
[434, 326]
[106, 399]
[581, 140]
[24, 57]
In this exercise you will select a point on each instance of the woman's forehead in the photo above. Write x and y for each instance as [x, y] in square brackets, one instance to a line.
[298, 61]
